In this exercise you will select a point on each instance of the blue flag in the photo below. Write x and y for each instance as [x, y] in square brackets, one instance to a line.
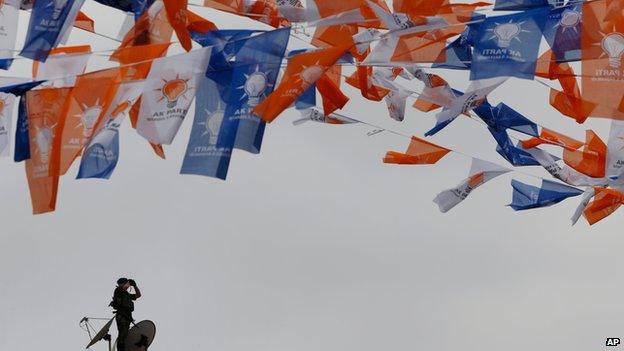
[503, 117]
[100, 156]
[48, 20]
[223, 119]
[135, 6]
[458, 54]
[515, 156]
[254, 76]
[203, 157]
[521, 5]
[225, 44]
[5, 64]
[527, 196]
[563, 32]
[508, 45]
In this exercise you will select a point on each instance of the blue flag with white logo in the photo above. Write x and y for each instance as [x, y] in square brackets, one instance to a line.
[203, 157]
[254, 76]
[135, 6]
[563, 32]
[527, 196]
[47, 22]
[507, 46]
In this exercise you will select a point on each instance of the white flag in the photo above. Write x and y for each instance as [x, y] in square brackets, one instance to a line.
[6, 113]
[9, 15]
[615, 150]
[169, 90]
[480, 172]
[587, 196]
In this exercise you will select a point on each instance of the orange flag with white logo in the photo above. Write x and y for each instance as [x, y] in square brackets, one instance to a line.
[84, 109]
[602, 41]
[418, 152]
[302, 72]
[152, 27]
[44, 108]
[176, 13]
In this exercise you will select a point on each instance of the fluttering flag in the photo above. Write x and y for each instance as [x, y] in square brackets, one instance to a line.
[602, 47]
[563, 31]
[254, 77]
[588, 158]
[44, 109]
[315, 115]
[419, 152]
[151, 28]
[507, 46]
[302, 71]
[585, 199]
[62, 66]
[522, 5]
[169, 90]
[615, 150]
[6, 112]
[49, 21]
[177, 14]
[514, 155]
[102, 152]
[9, 16]
[225, 120]
[528, 197]
[472, 98]
[202, 156]
[481, 172]
[606, 201]
[503, 117]
[82, 112]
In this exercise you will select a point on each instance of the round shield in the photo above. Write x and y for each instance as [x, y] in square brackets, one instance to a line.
[140, 336]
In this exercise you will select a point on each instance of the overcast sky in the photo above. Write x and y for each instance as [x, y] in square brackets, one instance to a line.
[312, 245]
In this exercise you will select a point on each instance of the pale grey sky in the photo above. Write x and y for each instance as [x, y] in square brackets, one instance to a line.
[312, 245]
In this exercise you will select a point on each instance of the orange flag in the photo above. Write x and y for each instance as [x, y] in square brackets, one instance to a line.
[152, 27]
[176, 13]
[606, 201]
[329, 87]
[302, 71]
[418, 152]
[602, 43]
[84, 22]
[588, 158]
[85, 107]
[44, 108]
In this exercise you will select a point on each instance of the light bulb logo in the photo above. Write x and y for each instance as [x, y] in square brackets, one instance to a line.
[213, 124]
[506, 32]
[310, 75]
[613, 46]
[254, 87]
[44, 141]
[173, 90]
[570, 19]
[88, 119]
[59, 6]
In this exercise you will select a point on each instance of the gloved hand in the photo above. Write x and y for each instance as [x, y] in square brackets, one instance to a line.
[132, 282]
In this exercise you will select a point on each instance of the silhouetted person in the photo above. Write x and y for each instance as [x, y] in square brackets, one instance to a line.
[123, 303]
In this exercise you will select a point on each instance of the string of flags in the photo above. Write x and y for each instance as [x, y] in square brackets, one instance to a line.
[241, 80]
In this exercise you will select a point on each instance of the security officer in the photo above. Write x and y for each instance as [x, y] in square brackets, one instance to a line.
[123, 303]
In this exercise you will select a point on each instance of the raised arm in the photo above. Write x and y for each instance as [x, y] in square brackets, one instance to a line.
[137, 291]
